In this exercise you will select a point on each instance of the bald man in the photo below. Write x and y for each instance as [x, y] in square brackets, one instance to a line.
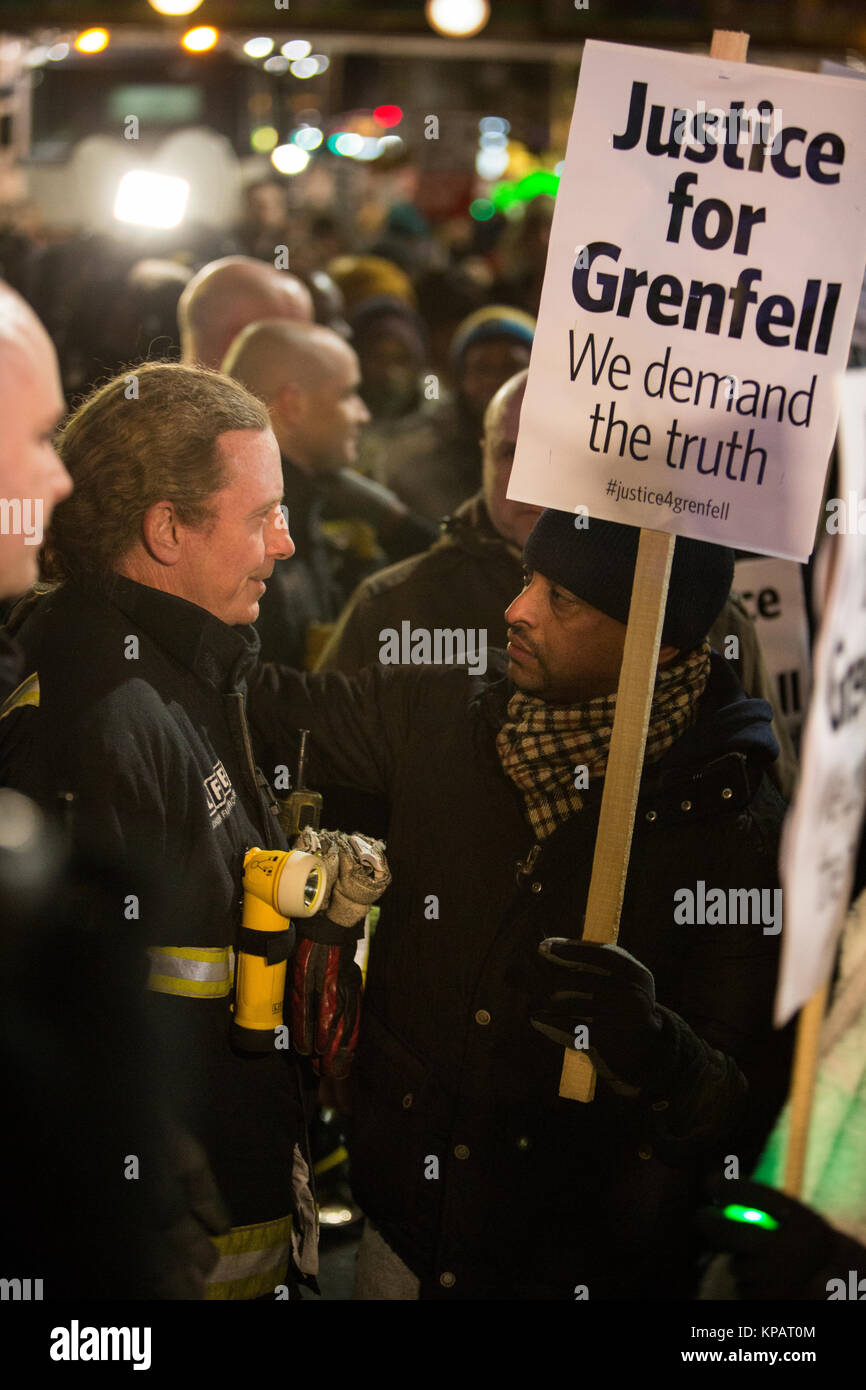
[472, 573]
[308, 377]
[227, 295]
[32, 478]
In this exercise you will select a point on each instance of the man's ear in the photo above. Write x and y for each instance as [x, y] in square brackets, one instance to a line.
[667, 656]
[289, 404]
[160, 533]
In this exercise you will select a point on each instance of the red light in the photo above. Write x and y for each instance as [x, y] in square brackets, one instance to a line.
[387, 115]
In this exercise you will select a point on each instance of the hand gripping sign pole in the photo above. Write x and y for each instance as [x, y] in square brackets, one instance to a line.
[631, 721]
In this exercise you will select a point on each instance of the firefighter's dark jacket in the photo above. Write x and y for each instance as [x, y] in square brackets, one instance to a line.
[141, 716]
[477, 1174]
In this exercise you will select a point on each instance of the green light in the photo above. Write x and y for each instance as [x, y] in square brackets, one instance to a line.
[504, 195]
[541, 182]
[481, 209]
[752, 1215]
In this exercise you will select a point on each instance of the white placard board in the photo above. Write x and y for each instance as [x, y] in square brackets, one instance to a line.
[703, 273]
[772, 591]
[821, 834]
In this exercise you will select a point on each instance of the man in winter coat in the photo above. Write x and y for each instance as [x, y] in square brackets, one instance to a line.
[141, 653]
[477, 1179]
[469, 576]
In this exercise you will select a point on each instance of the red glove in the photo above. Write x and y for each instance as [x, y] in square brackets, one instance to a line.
[326, 995]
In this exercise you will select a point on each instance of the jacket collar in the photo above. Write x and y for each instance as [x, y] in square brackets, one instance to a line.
[470, 528]
[213, 651]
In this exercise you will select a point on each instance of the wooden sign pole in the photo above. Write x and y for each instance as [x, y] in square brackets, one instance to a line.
[631, 721]
[802, 1089]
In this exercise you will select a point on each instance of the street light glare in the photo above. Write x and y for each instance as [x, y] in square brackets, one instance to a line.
[457, 19]
[201, 39]
[151, 200]
[92, 41]
[175, 7]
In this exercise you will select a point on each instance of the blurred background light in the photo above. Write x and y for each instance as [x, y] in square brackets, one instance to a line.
[92, 41]
[304, 67]
[387, 116]
[491, 164]
[55, 54]
[151, 200]
[309, 137]
[289, 159]
[201, 39]
[175, 6]
[494, 125]
[481, 209]
[390, 143]
[264, 138]
[321, 61]
[493, 140]
[348, 143]
[296, 48]
[369, 148]
[457, 18]
[276, 64]
[258, 48]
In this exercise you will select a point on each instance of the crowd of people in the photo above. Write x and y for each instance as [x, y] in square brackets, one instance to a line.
[246, 476]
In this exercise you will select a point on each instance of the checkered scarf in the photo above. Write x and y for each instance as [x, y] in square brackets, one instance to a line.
[541, 746]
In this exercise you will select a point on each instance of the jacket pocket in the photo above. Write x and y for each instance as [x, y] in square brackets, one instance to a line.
[397, 1113]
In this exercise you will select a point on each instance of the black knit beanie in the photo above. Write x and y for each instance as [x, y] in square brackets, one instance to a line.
[595, 560]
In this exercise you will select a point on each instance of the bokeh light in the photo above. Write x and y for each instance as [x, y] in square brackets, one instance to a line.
[92, 41]
[457, 19]
[175, 7]
[201, 39]
[296, 48]
[258, 48]
[289, 159]
[264, 138]
[309, 137]
[387, 116]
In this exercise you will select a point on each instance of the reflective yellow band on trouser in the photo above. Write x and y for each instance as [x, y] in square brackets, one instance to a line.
[199, 972]
[253, 1260]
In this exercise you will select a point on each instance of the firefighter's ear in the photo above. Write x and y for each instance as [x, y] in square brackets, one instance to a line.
[160, 533]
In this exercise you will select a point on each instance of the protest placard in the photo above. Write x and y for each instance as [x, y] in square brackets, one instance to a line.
[772, 592]
[704, 269]
[822, 830]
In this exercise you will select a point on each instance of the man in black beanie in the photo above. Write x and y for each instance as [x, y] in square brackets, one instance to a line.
[478, 1181]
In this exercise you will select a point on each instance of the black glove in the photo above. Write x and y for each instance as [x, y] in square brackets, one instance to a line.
[613, 995]
[795, 1261]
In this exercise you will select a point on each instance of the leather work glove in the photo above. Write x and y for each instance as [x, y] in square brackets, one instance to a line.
[795, 1260]
[326, 981]
[609, 992]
